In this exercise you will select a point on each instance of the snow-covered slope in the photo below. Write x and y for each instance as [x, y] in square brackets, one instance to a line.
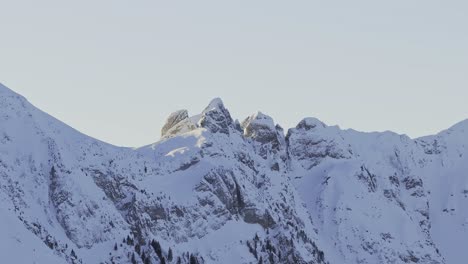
[216, 190]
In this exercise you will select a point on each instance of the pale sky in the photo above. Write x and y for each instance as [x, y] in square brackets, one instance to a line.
[116, 69]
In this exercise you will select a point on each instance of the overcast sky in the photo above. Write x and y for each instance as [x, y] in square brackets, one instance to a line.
[116, 69]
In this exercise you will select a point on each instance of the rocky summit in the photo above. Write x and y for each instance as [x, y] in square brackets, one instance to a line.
[216, 190]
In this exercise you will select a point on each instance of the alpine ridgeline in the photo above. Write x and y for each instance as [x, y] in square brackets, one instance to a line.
[216, 190]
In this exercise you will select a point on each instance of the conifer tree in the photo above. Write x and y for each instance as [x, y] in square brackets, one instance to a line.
[138, 249]
[193, 259]
[169, 255]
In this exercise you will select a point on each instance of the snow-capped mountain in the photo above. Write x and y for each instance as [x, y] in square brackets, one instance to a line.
[216, 190]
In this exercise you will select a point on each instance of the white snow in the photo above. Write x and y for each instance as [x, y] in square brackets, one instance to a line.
[358, 197]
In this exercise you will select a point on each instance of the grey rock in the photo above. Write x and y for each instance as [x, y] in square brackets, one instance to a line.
[216, 118]
[177, 123]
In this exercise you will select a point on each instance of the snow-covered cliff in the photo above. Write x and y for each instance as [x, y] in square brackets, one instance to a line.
[216, 190]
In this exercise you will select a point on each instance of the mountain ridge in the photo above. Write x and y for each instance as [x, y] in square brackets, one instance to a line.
[216, 190]
[463, 124]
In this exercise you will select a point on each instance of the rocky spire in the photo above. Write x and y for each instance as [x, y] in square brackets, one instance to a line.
[177, 122]
[216, 118]
[261, 128]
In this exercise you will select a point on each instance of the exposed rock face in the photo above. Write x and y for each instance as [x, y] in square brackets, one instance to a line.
[177, 123]
[267, 140]
[231, 193]
[216, 118]
[310, 123]
[312, 141]
[262, 129]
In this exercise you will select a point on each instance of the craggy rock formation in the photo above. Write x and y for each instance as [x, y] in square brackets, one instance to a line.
[214, 190]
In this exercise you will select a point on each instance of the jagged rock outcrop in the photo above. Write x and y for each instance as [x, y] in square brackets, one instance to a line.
[312, 141]
[216, 118]
[263, 130]
[177, 123]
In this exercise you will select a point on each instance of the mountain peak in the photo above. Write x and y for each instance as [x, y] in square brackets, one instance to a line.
[216, 118]
[259, 118]
[310, 123]
[261, 128]
[215, 103]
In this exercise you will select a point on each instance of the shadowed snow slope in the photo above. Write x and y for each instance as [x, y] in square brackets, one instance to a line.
[213, 190]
